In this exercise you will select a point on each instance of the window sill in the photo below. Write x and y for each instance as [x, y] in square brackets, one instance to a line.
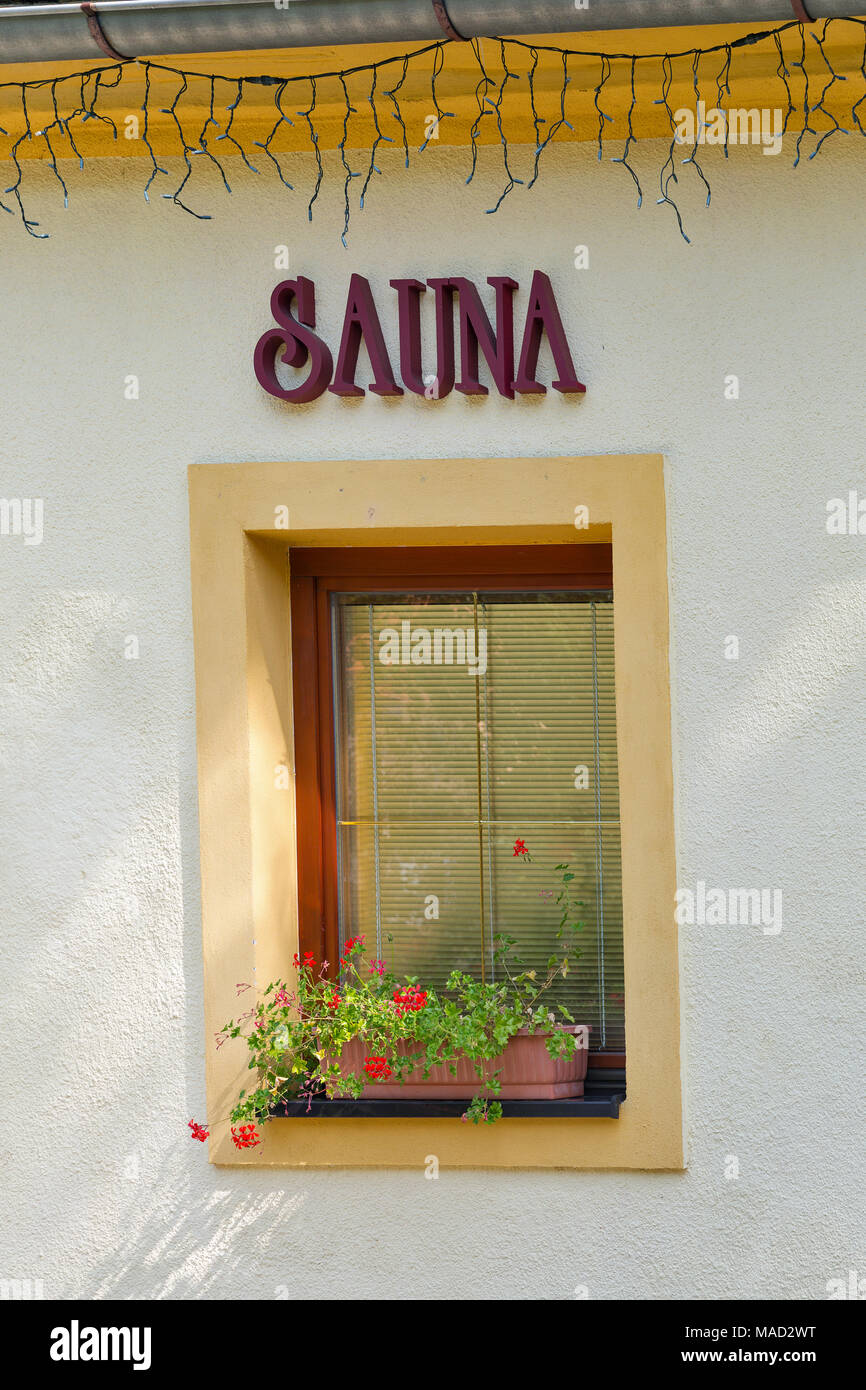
[602, 1101]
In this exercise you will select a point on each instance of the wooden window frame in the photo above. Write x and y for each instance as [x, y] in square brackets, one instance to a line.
[315, 574]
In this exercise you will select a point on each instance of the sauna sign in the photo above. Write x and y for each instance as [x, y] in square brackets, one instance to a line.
[294, 343]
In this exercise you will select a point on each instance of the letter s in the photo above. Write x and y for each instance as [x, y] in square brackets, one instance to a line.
[296, 340]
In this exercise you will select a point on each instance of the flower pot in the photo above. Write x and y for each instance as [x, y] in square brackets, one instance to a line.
[527, 1072]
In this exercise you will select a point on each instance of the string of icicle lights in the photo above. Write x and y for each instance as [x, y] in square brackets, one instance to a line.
[375, 90]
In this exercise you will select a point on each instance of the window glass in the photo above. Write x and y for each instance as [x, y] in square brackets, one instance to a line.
[464, 722]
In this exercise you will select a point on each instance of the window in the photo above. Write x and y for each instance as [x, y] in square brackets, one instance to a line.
[266, 737]
[447, 703]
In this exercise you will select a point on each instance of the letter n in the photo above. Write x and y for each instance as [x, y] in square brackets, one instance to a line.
[475, 332]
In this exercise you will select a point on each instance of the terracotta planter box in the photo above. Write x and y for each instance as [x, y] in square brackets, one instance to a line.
[528, 1072]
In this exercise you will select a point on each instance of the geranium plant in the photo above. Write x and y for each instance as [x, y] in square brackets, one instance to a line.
[295, 1034]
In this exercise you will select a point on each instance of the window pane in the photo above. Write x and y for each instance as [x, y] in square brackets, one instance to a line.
[464, 721]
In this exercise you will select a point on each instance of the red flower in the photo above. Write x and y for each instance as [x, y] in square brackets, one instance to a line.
[351, 945]
[198, 1131]
[245, 1137]
[520, 849]
[377, 1068]
[334, 1001]
[409, 1000]
[306, 964]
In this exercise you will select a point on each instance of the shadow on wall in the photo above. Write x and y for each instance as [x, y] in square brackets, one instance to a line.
[191, 1238]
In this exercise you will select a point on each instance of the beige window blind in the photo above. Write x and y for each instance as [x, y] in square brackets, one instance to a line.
[463, 722]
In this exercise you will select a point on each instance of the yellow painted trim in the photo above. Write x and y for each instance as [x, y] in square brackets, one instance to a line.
[243, 703]
[754, 83]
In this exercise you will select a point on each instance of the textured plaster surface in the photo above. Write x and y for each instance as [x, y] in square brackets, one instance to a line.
[105, 1195]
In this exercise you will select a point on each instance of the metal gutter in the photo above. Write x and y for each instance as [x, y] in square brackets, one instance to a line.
[138, 28]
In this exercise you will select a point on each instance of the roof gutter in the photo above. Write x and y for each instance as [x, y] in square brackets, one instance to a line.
[138, 28]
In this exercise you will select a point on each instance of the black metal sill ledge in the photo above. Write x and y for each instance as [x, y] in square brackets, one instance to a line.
[601, 1100]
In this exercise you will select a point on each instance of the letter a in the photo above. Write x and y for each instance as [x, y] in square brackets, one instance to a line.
[543, 317]
[362, 321]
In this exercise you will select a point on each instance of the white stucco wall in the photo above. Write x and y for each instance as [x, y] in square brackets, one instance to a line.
[102, 1035]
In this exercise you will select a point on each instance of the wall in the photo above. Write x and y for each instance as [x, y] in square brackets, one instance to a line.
[102, 1036]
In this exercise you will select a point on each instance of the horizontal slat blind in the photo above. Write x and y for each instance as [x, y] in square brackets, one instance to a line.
[440, 770]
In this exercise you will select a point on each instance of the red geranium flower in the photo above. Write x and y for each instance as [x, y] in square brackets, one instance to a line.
[353, 943]
[377, 1068]
[306, 964]
[245, 1137]
[333, 1001]
[520, 849]
[409, 1000]
[198, 1131]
